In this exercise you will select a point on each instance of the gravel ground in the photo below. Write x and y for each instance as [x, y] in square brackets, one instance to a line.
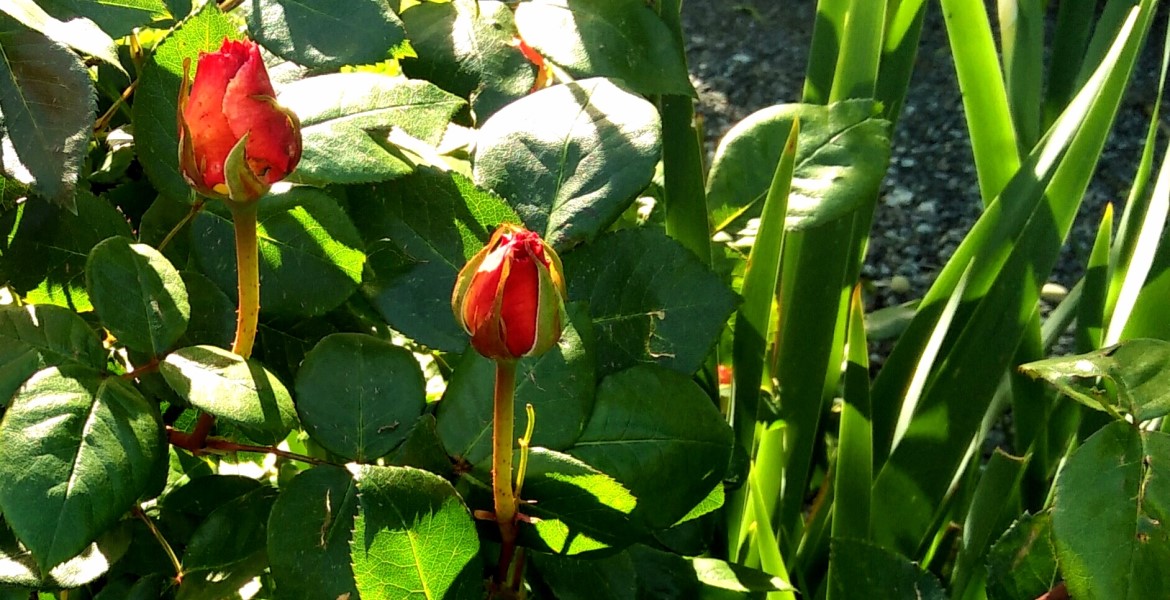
[748, 54]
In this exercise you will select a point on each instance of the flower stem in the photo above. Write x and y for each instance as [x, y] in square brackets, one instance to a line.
[248, 269]
[502, 441]
[248, 314]
[196, 206]
[162, 541]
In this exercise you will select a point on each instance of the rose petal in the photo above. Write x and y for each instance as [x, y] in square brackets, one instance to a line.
[273, 147]
[521, 293]
[211, 136]
[477, 308]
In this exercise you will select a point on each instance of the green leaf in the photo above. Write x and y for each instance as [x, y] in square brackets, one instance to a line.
[37, 336]
[868, 571]
[186, 506]
[423, 449]
[1022, 564]
[412, 535]
[1110, 512]
[156, 101]
[229, 548]
[357, 395]
[667, 576]
[138, 294]
[82, 34]
[623, 39]
[419, 231]
[47, 100]
[607, 578]
[76, 451]
[43, 248]
[644, 311]
[163, 215]
[18, 567]
[116, 17]
[1139, 370]
[841, 158]
[345, 118]
[149, 587]
[213, 314]
[310, 254]
[657, 433]
[559, 385]
[282, 345]
[467, 48]
[999, 479]
[315, 33]
[570, 158]
[221, 383]
[578, 509]
[309, 533]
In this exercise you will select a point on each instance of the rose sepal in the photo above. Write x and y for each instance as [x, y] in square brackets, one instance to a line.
[243, 186]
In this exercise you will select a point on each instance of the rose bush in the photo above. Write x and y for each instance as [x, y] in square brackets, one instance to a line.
[465, 314]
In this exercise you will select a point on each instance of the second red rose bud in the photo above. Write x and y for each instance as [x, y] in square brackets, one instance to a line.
[511, 296]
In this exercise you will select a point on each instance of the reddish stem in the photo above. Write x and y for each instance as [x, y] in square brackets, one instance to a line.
[137, 372]
[1058, 592]
[187, 442]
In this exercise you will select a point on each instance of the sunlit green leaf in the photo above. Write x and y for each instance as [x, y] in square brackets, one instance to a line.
[467, 48]
[48, 104]
[1110, 511]
[138, 294]
[412, 533]
[840, 160]
[223, 384]
[76, 451]
[1139, 370]
[313, 33]
[345, 118]
[570, 158]
[623, 39]
[42, 335]
[311, 257]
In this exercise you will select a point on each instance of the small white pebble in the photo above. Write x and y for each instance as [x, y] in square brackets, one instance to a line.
[1053, 292]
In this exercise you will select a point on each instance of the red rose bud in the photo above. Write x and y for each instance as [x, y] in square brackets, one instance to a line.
[234, 139]
[511, 296]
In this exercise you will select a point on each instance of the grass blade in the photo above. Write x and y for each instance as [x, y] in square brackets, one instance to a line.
[1021, 30]
[770, 559]
[823, 50]
[854, 472]
[861, 51]
[985, 101]
[1033, 219]
[1000, 480]
[682, 158]
[749, 346]
[1074, 23]
[899, 52]
[1091, 311]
